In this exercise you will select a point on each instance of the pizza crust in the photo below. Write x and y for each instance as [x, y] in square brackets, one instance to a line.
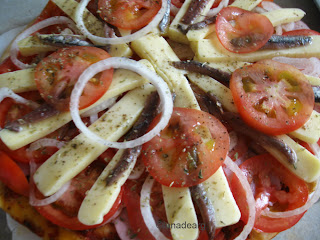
[19, 209]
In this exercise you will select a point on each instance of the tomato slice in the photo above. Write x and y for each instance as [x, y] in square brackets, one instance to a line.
[131, 15]
[56, 75]
[64, 212]
[131, 199]
[188, 151]
[242, 31]
[301, 32]
[272, 97]
[274, 187]
[12, 175]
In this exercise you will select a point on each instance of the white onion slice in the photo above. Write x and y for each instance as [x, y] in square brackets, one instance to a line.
[173, 9]
[309, 66]
[8, 93]
[269, 6]
[146, 210]
[137, 171]
[117, 62]
[45, 142]
[214, 11]
[121, 224]
[249, 196]
[100, 107]
[33, 201]
[34, 28]
[104, 41]
[312, 200]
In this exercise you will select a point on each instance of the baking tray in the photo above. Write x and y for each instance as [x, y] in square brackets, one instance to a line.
[14, 18]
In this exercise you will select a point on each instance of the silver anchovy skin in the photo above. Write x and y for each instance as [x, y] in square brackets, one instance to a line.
[166, 19]
[64, 40]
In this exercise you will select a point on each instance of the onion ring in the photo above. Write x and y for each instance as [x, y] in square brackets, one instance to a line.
[249, 195]
[118, 62]
[33, 201]
[8, 93]
[120, 40]
[146, 210]
[34, 28]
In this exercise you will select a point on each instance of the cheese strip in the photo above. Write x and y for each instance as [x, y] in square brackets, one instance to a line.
[159, 53]
[246, 4]
[284, 15]
[310, 131]
[196, 35]
[174, 33]
[78, 153]
[211, 50]
[94, 26]
[32, 45]
[123, 81]
[225, 207]
[100, 198]
[19, 81]
[180, 211]
[307, 166]
[210, 85]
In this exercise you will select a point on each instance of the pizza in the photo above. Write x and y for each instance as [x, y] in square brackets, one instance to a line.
[160, 120]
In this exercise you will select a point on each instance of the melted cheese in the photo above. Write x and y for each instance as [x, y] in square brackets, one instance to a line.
[78, 153]
[19, 81]
[123, 81]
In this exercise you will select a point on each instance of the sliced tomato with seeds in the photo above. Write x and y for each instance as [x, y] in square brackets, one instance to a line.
[274, 187]
[57, 74]
[12, 175]
[272, 97]
[64, 212]
[131, 15]
[188, 151]
[242, 31]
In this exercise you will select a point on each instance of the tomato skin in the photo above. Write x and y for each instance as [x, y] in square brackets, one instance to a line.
[274, 185]
[131, 199]
[242, 31]
[188, 151]
[12, 175]
[56, 75]
[272, 97]
[7, 66]
[131, 15]
[301, 32]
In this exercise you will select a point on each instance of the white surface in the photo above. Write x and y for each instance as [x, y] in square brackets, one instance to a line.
[15, 13]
